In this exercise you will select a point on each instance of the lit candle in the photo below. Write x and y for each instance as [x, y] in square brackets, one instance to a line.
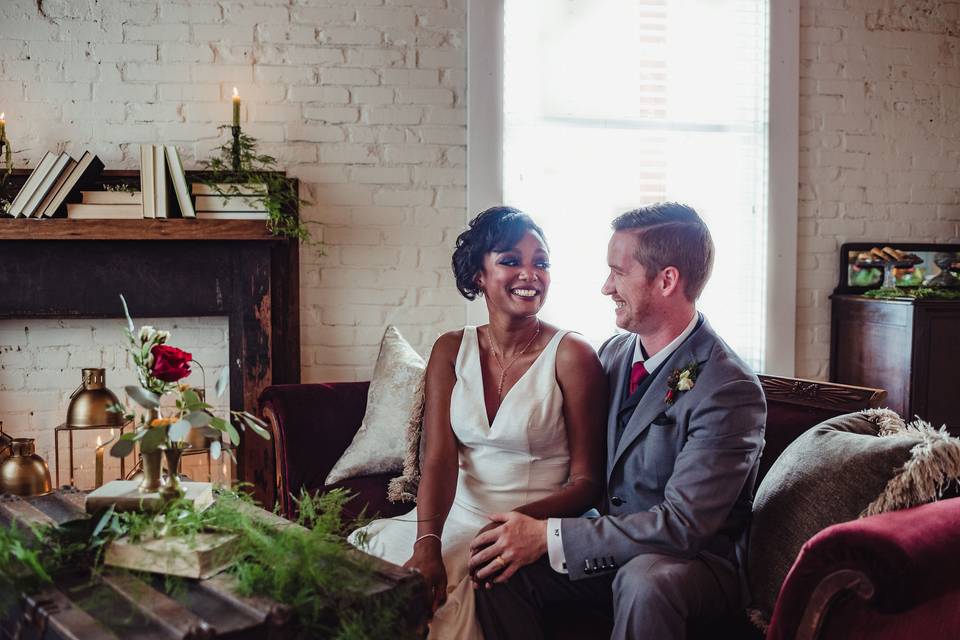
[98, 469]
[236, 108]
[3, 126]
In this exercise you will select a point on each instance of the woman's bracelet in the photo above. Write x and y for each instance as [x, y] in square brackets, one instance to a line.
[427, 535]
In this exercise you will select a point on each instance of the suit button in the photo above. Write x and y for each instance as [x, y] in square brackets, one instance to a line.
[615, 501]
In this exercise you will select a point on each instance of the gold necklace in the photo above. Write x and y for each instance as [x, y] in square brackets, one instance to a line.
[504, 369]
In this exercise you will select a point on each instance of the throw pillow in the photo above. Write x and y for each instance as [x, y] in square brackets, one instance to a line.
[379, 445]
[830, 474]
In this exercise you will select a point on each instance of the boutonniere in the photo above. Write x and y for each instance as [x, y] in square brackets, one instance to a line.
[681, 380]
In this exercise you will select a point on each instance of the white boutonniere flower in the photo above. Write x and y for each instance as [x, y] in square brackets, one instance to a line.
[681, 380]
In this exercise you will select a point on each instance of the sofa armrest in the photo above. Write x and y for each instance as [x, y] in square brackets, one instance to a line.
[890, 563]
[311, 426]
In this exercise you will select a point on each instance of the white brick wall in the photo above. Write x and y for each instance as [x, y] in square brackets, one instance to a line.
[879, 150]
[362, 100]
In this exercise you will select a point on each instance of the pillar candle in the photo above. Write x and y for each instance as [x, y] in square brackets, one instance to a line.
[3, 126]
[236, 108]
[98, 469]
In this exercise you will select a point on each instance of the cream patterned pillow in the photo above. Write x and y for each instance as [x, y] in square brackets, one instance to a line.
[379, 445]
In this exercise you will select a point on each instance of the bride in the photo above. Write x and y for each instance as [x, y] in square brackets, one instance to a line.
[513, 419]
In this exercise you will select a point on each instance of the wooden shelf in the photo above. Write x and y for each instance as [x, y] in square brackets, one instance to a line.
[163, 229]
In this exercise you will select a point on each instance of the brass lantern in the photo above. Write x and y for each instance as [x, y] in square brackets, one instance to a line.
[89, 403]
[24, 473]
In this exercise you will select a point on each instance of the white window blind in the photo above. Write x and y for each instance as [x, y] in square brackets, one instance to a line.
[612, 104]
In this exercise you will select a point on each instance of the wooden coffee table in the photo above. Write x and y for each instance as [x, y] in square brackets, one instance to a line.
[118, 605]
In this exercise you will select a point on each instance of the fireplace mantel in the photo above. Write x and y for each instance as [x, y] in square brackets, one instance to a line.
[61, 268]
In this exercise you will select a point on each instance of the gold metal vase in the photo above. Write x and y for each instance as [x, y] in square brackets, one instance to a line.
[150, 460]
[172, 453]
[24, 473]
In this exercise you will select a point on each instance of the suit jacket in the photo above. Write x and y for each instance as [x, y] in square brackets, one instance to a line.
[680, 479]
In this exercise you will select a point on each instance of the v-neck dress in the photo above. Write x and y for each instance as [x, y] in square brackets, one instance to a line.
[522, 457]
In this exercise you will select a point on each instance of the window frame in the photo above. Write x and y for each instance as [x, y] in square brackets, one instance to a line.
[485, 157]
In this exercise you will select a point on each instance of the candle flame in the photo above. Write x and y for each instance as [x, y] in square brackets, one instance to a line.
[2, 115]
[236, 94]
[225, 475]
[99, 442]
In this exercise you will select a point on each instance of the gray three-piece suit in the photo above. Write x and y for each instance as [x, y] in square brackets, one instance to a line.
[670, 541]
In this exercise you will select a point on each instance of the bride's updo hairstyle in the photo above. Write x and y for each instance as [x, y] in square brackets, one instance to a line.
[496, 229]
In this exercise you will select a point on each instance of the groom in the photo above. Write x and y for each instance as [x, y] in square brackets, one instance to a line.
[684, 435]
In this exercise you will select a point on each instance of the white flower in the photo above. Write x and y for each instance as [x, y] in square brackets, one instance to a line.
[162, 336]
[147, 333]
[684, 383]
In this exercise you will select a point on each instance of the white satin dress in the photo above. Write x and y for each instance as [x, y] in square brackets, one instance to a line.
[522, 457]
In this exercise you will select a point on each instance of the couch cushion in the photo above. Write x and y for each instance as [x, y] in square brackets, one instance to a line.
[830, 474]
[380, 443]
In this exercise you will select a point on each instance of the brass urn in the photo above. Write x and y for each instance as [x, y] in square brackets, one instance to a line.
[89, 403]
[24, 473]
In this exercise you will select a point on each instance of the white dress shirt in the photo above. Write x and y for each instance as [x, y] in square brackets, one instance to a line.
[554, 534]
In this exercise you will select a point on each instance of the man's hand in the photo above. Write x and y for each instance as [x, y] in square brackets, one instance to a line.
[514, 541]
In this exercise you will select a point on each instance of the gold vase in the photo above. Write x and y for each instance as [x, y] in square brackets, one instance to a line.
[89, 403]
[150, 461]
[172, 489]
[24, 473]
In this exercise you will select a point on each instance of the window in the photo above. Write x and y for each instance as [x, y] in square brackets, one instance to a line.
[607, 105]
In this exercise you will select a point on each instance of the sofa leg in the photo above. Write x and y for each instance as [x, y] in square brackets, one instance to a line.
[845, 581]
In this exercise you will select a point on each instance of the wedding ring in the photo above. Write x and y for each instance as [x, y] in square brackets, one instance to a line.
[500, 562]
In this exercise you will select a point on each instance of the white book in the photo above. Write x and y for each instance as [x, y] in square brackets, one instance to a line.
[245, 189]
[87, 170]
[16, 207]
[179, 179]
[230, 203]
[46, 184]
[146, 181]
[105, 211]
[232, 215]
[112, 197]
[54, 191]
[160, 181]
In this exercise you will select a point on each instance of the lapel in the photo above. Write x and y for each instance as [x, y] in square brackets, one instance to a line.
[695, 348]
[618, 370]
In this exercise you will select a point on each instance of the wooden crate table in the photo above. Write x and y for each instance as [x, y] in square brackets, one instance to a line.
[119, 605]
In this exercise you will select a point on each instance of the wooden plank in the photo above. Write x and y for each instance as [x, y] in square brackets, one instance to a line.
[159, 607]
[158, 229]
[274, 615]
[51, 610]
[16, 509]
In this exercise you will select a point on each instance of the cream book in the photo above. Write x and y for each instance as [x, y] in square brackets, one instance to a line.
[88, 168]
[105, 211]
[160, 181]
[26, 191]
[147, 181]
[230, 203]
[200, 557]
[45, 185]
[245, 189]
[179, 179]
[232, 215]
[54, 191]
[112, 197]
[125, 496]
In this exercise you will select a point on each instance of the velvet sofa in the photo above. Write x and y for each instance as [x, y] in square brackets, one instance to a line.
[843, 582]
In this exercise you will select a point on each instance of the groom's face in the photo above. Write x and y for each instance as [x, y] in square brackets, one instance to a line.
[632, 290]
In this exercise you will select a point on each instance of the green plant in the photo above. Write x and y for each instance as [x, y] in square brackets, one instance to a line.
[256, 168]
[919, 293]
[308, 566]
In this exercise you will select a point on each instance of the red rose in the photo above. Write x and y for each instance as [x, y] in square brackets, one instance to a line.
[169, 363]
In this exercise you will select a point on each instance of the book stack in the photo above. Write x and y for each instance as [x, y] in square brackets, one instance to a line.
[54, 181]
[107, 205]
[231, 201]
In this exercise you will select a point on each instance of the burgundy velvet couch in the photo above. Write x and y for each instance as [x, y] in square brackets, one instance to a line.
[897, 571]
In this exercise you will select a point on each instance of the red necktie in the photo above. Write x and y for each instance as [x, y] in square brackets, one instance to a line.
[637, 374]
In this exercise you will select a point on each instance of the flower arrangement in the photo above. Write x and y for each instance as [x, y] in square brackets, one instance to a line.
[160, 368]
[681, 380]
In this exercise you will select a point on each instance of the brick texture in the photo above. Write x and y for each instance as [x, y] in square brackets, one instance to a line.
[879, 150]
[363, 101]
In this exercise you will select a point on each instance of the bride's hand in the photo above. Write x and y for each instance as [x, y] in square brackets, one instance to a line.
[473, 570]
[428, 560]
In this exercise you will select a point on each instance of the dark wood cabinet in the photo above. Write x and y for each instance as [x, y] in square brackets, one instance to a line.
[910, 348]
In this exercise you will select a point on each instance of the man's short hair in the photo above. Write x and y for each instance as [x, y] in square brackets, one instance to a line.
[671, 234]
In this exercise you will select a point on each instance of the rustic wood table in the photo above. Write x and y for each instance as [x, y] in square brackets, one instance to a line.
[118, 605]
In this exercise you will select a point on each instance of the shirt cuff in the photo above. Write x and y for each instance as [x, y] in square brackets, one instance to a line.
[558, 560]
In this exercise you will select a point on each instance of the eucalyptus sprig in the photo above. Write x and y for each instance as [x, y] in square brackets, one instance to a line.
[281, 197]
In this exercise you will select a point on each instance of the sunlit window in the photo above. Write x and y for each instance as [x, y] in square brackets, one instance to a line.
[612, 104]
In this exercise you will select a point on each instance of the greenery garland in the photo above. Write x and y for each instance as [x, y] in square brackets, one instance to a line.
[309, 567]
[281, 198]
[918, 293]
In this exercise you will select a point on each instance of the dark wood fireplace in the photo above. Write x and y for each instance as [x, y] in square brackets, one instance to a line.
[60, 268]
